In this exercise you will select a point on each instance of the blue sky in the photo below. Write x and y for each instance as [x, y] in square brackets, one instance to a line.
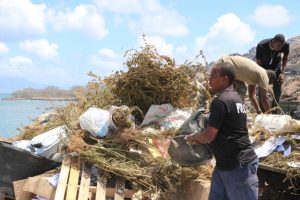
[58, 42]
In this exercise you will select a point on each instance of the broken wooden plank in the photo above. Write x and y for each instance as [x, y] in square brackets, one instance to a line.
[63, 179]
[269, 168]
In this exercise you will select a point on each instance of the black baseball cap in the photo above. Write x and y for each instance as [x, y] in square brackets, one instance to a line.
[279, 38]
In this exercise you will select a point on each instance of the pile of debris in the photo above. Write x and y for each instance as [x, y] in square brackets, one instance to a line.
[276, 139]
[123, 124]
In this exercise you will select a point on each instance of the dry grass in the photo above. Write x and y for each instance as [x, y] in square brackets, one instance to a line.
[277, 160]
[113, 155]
[154, 79]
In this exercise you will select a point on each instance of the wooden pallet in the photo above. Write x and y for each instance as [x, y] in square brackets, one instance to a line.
[69, 187]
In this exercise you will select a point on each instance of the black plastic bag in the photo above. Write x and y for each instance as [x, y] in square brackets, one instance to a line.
[184, 153]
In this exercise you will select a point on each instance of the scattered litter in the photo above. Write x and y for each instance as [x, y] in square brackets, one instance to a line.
[273, 122]
[48, 143]
[294, 164]
[45, 144]
[150, 131]
[162, 146]
[277, 123]
[269, 146]
[24, 144]
[286, 151]
[40, 198]
[175, 119]
[46, 117]
[53, 180]
[157, 113]
[295, 137]
[95, 121]
[135, 151]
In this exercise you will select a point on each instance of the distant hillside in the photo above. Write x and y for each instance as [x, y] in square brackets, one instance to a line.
[48, 93]
[294, 56]
[10, 84]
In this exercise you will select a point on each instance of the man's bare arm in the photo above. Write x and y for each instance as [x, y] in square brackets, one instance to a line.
[284, 63]
[265, 100]
[252, 97]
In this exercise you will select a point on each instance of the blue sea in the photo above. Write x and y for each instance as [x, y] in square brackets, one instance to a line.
[18, 113]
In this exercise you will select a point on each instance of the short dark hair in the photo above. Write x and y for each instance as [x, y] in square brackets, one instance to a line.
[226, 69]
[279, 38]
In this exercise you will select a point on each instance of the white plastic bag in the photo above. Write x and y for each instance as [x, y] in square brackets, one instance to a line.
[175, 119]
[277, 123]
[156, 113]
[96, 121]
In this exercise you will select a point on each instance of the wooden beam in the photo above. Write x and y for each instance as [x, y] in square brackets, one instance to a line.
[273, 169]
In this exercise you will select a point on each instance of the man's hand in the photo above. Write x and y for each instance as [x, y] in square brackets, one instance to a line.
[190, 139]
[280, 78]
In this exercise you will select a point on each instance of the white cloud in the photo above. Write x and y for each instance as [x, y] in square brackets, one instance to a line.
[25, 68]
[20, 19]
[19, 61]
[160, 44]
[84, 18]
[3, 49]
[41, 48]
[272, 16]
[13, 66]
[105, 62]
[106, 52]
[153, 18]
[228, 35]
[121, 6]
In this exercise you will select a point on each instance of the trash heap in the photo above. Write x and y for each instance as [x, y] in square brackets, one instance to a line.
[112, 127]
[124, 124]
[276, 139]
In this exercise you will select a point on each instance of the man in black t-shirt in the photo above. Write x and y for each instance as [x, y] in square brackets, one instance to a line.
[235, 174]
[273, 54]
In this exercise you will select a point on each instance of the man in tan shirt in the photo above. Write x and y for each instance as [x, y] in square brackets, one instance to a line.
[247, 71]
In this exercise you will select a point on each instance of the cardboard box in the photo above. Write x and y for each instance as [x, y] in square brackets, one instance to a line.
[38, 185]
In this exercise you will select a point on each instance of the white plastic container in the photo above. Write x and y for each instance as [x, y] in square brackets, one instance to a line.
[275, 123]
[50, 141]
